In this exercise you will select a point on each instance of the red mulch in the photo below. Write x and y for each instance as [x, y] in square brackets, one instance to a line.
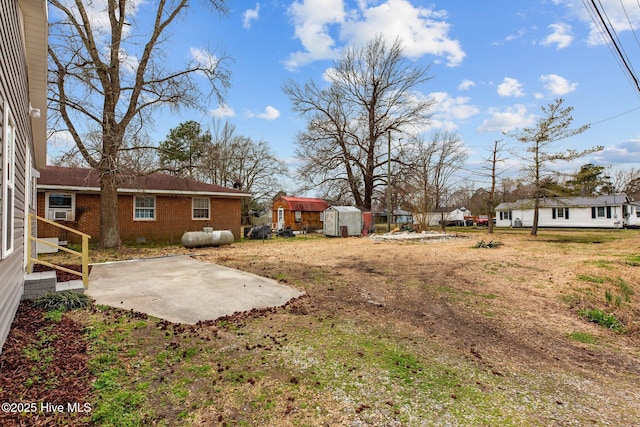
[44, 362]
[61, 276]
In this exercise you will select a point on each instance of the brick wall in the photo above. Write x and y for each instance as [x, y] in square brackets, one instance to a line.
[173, 219]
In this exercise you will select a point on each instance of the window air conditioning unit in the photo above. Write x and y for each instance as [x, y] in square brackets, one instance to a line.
[61, 215]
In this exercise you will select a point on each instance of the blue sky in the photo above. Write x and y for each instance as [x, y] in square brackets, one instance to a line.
[494, 64]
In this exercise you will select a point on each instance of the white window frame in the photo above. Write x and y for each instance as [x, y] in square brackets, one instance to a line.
[8, 183]
[604, 211]
[137, 208]
[52, 210]
[194, 200]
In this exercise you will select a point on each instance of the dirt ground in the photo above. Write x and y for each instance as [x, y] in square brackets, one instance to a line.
[510, 307]
[512, 310]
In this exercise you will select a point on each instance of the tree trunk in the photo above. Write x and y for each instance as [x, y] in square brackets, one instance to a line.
[492, 193]
[109, 228]
[536, 208]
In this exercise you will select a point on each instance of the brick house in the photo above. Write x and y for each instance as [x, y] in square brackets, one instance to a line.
[152, 208]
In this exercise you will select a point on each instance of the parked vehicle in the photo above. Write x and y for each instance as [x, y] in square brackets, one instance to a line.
[482, 220]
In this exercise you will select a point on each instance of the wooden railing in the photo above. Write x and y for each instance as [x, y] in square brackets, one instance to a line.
[84, 254]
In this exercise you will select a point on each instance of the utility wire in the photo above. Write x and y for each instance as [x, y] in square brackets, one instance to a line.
[615, 44]
[617, 41]
[633, 31]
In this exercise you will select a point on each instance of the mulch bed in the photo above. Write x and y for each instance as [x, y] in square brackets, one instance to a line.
[61, 276]
[44, 363]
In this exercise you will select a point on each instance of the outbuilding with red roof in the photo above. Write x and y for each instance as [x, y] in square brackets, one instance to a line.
[298, 213]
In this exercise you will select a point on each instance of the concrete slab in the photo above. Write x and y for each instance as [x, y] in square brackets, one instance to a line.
[182, 289]
[410, 236]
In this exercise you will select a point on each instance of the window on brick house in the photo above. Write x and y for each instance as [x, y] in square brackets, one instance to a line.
[200, 208]
[60, 206]
[144, 208]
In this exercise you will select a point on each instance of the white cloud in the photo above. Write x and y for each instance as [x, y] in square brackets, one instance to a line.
[222, 111]
[250, 15]
[456, 108]
[557, 85]
[561, 36]
[619, 12]
[204, 57]
[270, 113]
[449, 111]
[129, 62]
[311, 19]
[626, 152]
[512, 118]
[466, 85]
[98, 16]
[422, 30]
[510, 87]
[329, 75]
[61, 141]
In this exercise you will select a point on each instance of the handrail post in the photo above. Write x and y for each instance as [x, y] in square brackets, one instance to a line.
[85, 261]
[29, 231]
[84, 254]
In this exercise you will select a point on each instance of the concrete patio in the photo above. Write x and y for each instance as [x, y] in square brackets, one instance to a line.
[182, 289]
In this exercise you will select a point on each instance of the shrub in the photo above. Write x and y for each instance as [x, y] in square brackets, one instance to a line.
[487, 245]
[602, 319]
[62, 301]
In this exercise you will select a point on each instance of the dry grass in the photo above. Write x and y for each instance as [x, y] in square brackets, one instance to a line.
[395, 333]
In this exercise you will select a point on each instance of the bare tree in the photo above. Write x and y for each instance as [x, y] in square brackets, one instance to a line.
[233, 160]
[554, 126]
[106, 77]
[370, 94]
[627, 181]
[429, 168]
[493, 161]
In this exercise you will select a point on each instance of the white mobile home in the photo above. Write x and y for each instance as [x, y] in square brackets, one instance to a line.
[448, 216]
[606, 211]
[23, 118]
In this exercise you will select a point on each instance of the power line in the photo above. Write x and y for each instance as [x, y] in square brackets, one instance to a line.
[600, 19]
[616, 116]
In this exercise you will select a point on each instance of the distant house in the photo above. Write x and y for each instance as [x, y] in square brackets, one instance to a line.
[23, 125]
[449, 216]
[398, 217]
[151, 208]
[298, 213]
[606, 211]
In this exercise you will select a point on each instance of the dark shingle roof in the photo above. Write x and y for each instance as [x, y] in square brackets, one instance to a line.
[88, 179]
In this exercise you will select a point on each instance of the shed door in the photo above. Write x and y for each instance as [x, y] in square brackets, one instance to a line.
[280, 218]
[330, 225]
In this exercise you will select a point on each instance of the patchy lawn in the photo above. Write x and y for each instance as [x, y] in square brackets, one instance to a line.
[536, 331]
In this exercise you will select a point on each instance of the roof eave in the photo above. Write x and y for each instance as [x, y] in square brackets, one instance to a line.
[36, 44]
[70, 188]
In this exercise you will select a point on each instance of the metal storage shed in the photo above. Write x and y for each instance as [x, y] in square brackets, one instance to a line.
[339, 218]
